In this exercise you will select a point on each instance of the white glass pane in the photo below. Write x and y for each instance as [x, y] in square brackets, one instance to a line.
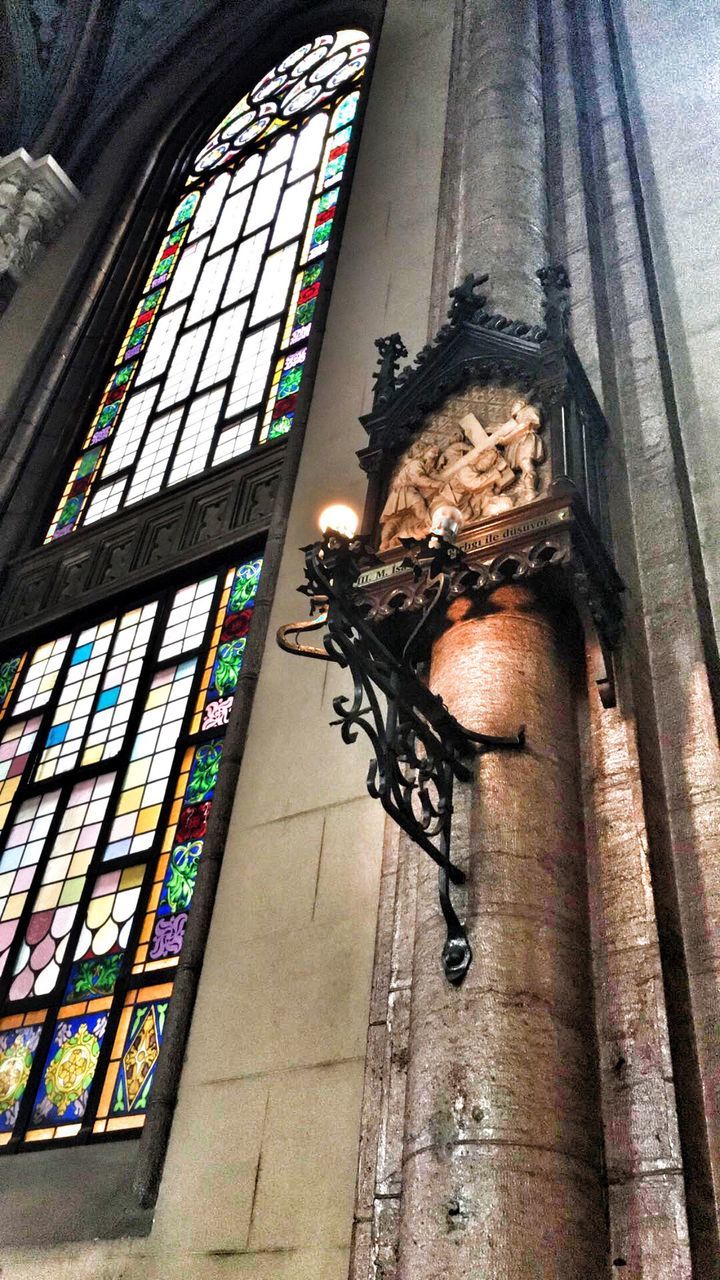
[150, 469]
[197, 435]
[274, 284]
[231, 220]
[105, 501]
[129, 433]
[246, 266]
[223, 346]
[236, 440]
[278, 153]
[209, 287]
[160, 346]
[308, 147]
[188, 617]
[186, 273]
[267, 194]
[206, 216]
[252, 370]
[183, 368]
[41, 675]
[292, 211]
[246, 173]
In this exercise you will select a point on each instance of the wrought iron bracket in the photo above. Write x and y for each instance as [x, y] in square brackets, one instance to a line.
[419, 748]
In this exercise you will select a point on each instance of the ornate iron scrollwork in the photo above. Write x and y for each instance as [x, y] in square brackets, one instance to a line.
[419, 748]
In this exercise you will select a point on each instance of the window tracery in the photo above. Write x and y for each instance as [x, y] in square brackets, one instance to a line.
[213, 357]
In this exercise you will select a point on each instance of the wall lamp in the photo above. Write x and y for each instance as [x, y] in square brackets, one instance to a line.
[419, 748]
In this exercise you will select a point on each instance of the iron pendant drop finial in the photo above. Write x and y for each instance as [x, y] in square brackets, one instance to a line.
[555, 284]
[392, 349]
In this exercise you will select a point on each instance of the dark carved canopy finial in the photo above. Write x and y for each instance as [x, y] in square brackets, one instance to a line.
[465, 301]
[392, 349]
[555, 284]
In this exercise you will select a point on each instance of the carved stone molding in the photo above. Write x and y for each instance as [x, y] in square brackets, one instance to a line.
[36, 200]
[553, 537]
[181, 529]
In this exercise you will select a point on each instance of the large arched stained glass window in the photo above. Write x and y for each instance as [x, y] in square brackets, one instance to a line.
[213, 356]
[112, 726]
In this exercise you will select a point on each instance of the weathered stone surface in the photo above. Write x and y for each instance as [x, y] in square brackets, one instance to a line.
[36, 200]
[501, 1168]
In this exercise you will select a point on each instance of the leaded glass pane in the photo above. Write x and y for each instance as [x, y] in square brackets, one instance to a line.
[98, 870]
[256, 217]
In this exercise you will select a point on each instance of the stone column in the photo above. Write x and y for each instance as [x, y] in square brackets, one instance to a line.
[493, 207]
[36, 200]
[502, 1164]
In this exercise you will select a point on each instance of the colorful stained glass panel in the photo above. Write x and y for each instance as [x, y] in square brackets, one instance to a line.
[9, 671]
[19, 859]
[133, 1060]
[235, 238]
[68, 1074]
[64, 739]
[117, 691]
[76, 862]
[321, 221]
[109, 918]
[56, 903]
[19, 1039]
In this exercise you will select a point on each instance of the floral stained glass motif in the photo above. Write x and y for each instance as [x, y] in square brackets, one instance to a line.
[98, 870]
[8, 675]
[134, 1056]
[68, 1074]
[19, 1039]
[163, 930]
[233, 288]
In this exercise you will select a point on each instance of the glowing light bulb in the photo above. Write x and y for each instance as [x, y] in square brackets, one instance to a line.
[447, 521]
[339, 518]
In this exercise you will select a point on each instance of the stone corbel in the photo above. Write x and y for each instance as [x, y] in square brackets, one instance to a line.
[551, 540]
[36, 200]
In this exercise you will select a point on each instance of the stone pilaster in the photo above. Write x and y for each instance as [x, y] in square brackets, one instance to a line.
[36, 200]
[493, 212]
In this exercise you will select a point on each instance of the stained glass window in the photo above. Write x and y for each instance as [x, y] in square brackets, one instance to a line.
[111, 738]
[215, 349]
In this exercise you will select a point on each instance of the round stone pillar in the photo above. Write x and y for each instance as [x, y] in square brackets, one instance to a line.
[502, 1159]
[493, 214]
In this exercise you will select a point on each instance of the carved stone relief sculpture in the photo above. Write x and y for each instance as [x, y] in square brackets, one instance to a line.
[482, 453]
